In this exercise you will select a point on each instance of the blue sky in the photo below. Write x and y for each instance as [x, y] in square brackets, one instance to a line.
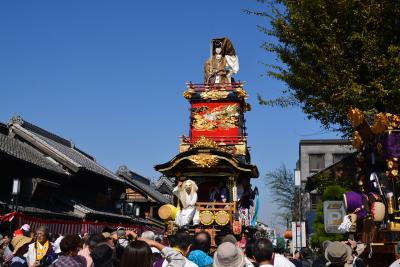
[110, 75]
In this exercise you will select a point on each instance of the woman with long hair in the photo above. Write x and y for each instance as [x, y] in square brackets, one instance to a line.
[138, 254]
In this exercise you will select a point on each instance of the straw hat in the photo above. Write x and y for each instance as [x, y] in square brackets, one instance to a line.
[18, 241]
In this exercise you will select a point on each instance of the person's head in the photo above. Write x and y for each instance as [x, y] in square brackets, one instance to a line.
[102, 255]
[263, 250]
[228, 255]
[70, 245]
[148, 235]
[202, 241]
[337, 253]
[229, 238]
[110, 242]
[94, 240]
[42, 234]
[121, 233]
[6, 240]
[181, 240]
[296, 255]
[20, 244]
[190, 186]
[138, 254]
[250, 246]
[306, 253]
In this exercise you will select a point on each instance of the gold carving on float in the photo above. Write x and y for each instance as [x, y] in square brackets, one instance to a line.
[241, 92]
[214, 95]
[204, 142]
[187, 95]
[204, 160]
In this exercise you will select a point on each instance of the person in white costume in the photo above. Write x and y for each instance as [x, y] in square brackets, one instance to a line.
[187, 194]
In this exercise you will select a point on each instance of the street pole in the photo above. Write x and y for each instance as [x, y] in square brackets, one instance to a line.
[300, 200]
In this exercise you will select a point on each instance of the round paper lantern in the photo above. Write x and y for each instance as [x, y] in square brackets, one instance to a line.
[288, 234]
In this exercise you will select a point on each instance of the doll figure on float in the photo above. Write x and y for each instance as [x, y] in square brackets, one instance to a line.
[187, 194]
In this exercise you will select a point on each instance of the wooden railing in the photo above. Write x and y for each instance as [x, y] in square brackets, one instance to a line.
[217, 86]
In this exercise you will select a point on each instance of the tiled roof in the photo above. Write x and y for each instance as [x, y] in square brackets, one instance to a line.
[123, 171]
[80, 158]
[24, 152]
[66, 148]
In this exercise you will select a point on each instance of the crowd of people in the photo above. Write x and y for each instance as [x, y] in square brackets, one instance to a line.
[122, 248]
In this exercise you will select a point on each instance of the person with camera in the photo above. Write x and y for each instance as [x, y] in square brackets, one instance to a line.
[40, 252]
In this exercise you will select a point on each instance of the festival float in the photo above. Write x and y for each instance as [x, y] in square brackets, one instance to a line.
[374, 207]
[213, 168]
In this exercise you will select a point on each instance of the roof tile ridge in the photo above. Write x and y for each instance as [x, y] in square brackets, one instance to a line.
[43, 146]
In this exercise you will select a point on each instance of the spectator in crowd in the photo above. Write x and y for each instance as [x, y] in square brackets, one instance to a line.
[171, 257]
[149, 235]
[263, 252]
[20, 244]
[41, 251]
[279, 259]
[249, 253]
[7, 254]
[200, 249]
[88, 247]
[321, 261]
[338, 254]
[181, 243]
[396, 263]
[296, 259]
[307, 257]
[102, 256]
[137, 253]
[230, 238]
[26, 229]
[229, 255]
[70, 246]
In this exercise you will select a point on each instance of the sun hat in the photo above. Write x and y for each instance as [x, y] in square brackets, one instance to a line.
[18, 241]
[25, 227]
[337, 253]
[228, 255]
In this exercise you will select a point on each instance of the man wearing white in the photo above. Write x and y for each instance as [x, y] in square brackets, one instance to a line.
[187, 194]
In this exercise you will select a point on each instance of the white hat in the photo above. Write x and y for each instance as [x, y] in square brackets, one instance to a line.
[26, 227]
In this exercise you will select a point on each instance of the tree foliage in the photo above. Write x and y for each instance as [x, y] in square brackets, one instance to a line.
[281, 183]
[336, 54]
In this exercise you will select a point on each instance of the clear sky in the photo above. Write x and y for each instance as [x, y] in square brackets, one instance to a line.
[110, 76]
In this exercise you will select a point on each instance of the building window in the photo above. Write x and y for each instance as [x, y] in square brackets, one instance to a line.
[317, 162]
[339, 156]
[315, 199]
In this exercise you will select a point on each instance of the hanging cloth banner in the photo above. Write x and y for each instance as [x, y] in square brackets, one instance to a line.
[8, 217]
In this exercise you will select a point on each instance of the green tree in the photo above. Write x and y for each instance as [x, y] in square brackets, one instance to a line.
[336, 55]
[281, 184]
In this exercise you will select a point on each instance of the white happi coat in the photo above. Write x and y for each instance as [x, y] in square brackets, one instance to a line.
[188, 211]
